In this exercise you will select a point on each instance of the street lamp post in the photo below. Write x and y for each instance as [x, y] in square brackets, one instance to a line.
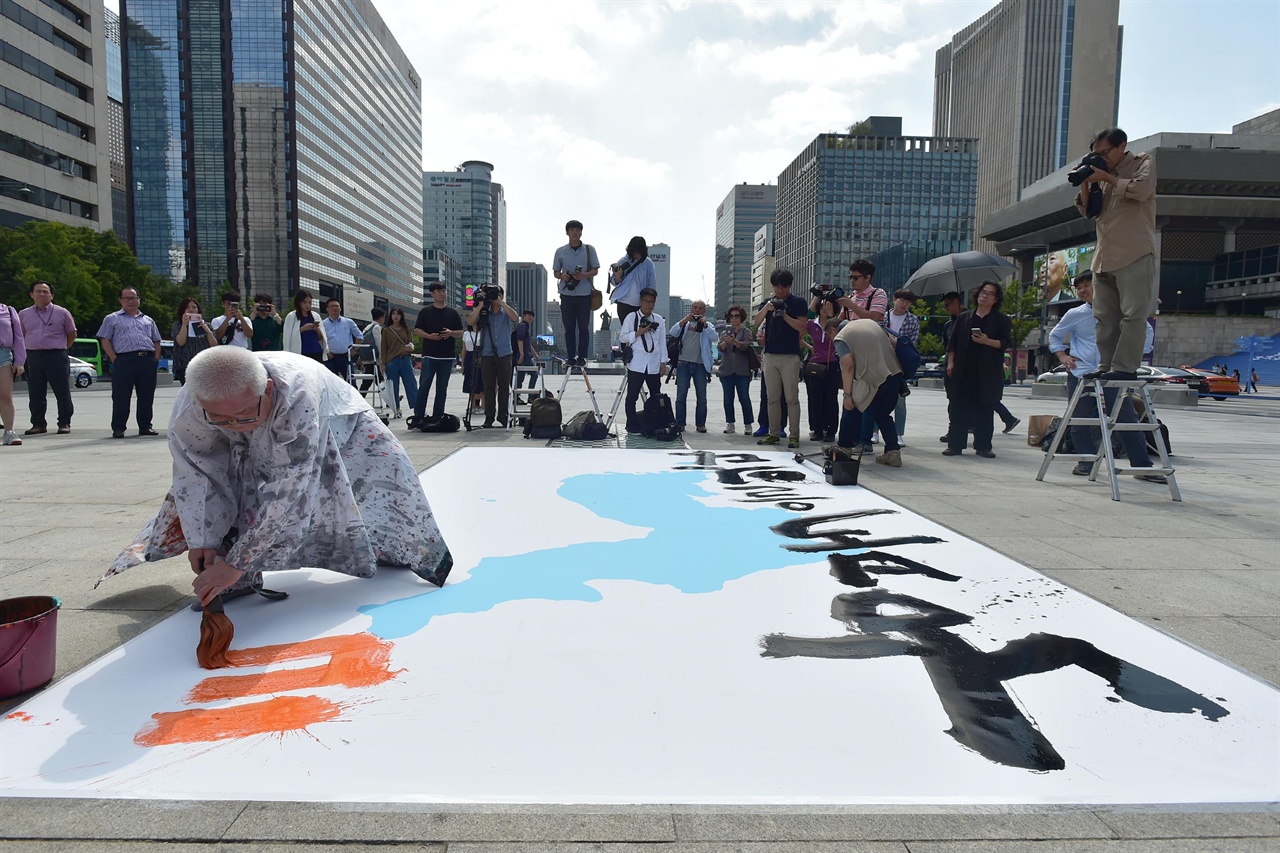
[1179, 301]
[1243, 296]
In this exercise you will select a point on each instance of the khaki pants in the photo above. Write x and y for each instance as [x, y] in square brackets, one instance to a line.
[1123, 299]
[782, 377]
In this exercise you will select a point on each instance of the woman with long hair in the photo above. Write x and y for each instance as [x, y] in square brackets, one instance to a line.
[632, 273]
[303, 332]
[190, 335]
[975, 365]
[397, 358]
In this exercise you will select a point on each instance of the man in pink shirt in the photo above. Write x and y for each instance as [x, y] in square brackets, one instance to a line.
[50, 330]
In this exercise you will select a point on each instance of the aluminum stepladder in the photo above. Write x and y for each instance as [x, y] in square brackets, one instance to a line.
[1106, 422]
[522, 398]
[572, 370]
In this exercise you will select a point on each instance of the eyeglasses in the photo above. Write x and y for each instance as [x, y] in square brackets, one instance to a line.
[854, 276]
[130, 298]
[233, 421]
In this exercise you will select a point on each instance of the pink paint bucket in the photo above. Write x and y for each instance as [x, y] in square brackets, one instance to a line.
[28, 643]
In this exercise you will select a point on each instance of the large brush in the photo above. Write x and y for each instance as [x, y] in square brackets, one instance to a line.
[216, 632]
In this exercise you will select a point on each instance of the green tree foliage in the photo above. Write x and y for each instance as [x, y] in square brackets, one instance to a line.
[861, 128]
[1022, 306]
[87, 269]
[930, 345]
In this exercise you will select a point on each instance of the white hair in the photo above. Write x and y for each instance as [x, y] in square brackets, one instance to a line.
[225, 373]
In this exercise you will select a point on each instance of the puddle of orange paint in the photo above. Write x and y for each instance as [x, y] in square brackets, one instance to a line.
[201, 725]
[354, 660]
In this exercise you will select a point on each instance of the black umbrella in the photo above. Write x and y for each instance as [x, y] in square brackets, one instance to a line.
[960, 271]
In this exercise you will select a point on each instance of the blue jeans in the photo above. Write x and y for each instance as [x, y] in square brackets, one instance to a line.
[696, 371]
[575, 311]
[400, 369]
[437, 369]
[879, 413]
[533, 375]
[740, 385]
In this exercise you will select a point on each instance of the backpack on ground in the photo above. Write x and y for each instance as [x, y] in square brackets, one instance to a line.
[441, 423]
[544, 419]
[660, 418]
[585, 426]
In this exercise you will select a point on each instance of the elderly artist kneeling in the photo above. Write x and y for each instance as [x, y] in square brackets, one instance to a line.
[872, 380]
[279, 464]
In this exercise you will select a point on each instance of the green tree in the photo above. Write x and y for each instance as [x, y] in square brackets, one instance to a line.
[861, 128]
[930, 345]
[87, 269]
[1022, 306]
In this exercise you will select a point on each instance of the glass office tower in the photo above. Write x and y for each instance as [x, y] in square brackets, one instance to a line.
[850, 196]
[274, 144]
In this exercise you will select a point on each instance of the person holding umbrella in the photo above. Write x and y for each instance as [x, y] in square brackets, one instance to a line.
[975, 366]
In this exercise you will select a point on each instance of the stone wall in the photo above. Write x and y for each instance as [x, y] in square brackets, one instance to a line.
[1186, 339]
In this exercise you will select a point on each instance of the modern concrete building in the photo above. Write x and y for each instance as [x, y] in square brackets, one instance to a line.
[1217, 221]
[527, 290]
[498, 199]
[274, 145]
[763, 264]
[1267, 124]
[738, 218]
[54, 157]
[660, 254]
[458, 215]
[1033, 80]
[439, 265]
[115, 127]
[849, 196]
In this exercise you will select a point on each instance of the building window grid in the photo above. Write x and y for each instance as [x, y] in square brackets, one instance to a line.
[32, 22]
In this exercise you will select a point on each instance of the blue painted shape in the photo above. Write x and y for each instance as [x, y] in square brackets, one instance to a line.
[690, 546]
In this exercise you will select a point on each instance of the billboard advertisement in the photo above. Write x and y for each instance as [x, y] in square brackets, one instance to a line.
[1054, 272]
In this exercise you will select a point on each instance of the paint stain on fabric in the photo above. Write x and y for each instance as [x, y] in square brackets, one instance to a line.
[201, 725]
[354, 661]
[20, 716]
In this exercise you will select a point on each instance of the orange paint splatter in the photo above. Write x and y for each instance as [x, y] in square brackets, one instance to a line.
[22, 716]
[355, 660]
[201, 725]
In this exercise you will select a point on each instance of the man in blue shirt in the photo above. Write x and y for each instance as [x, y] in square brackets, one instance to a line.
[131, 342]
[342, 334]
[697, 342]
[494, 320]
[1080, 325]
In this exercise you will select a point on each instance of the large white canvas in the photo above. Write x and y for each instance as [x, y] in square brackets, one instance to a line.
[600, 641]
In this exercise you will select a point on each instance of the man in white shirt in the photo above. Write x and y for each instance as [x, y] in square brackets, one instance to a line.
[646, 332]
[232, 322]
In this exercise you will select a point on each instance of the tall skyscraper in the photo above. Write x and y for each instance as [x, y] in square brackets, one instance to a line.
[54, 160]
[439, 265]
[499, 201]
[458, 215]
[527, 290]
[274, 144]
[115, 127]
[1033, 80]
[852, 196]
[660, 254]
[738, 218]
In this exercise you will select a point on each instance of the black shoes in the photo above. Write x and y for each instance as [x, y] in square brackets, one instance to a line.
[1011, 425]
[1111, 376]
[147, 431]
[1153, 478]
[985, 454]
[1082, 469]
[117, 433]
[951, 452]
[36, 430]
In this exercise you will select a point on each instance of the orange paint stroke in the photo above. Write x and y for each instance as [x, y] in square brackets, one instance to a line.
[20, 715]
[355, 660]
[199, 725]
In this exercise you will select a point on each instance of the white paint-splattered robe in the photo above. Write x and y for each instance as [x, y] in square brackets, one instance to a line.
[321, 483]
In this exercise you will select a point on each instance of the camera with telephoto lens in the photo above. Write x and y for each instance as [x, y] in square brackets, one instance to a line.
[778, 304]
[1084, 171]
[490, 292]
[645, 322]
[827, 291]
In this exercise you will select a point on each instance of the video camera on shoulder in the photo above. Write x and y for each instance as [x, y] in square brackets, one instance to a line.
[828, 292]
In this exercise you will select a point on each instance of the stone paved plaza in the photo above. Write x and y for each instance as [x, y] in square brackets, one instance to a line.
[1205, 570]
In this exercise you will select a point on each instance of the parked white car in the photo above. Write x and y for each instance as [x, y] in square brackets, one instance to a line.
[82, 372]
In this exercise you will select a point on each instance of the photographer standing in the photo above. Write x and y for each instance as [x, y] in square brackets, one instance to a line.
[631, 274]
[866, 302]
[493, 319]
[438, 326]
[574, 266]
[786, 316]
[1125, 273]
[697, 341]
[646, 332]
[232, 327]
